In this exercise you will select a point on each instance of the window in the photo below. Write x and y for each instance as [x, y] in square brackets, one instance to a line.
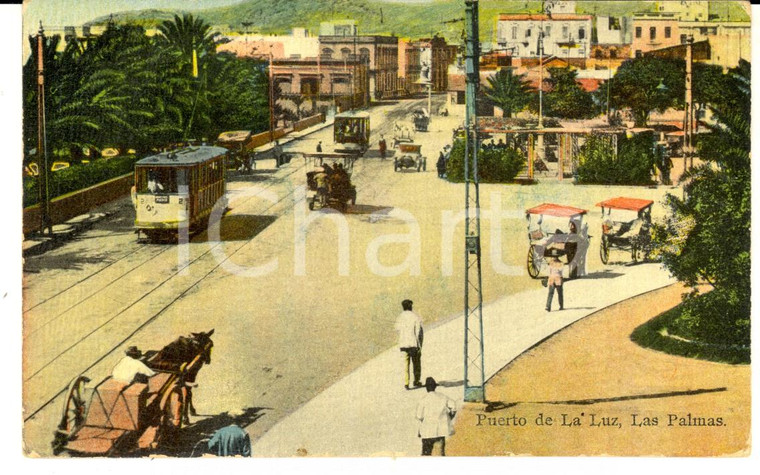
[683, 39]
[613, 53]
[581, 33]
[652, 32]
[548, 31]
[638, 32]
[667, 32]
[514, 32]
[527, 33]
[638, 53]
[565, 31]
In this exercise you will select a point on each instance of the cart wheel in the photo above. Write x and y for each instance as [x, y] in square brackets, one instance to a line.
[533, 262]
[74, 412]
[604, 250]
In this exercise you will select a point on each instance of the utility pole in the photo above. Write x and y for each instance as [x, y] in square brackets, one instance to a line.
[42, 153]
[688, 115]
[271, 97]
[474, 368]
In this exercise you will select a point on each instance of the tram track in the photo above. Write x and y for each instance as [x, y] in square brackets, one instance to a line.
[154, 316]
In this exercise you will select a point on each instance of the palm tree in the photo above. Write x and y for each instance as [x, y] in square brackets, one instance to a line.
[509, 92]
[186, 35]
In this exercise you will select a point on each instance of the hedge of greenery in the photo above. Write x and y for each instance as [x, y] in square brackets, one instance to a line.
[634, 164]
[680, 331]
[497, 165]
[78, 177]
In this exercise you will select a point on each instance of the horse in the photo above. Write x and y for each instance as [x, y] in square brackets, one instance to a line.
[183, 351]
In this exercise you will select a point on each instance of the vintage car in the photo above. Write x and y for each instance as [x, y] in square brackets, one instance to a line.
[409, 155]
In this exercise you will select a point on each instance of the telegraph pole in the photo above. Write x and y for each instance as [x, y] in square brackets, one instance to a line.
[42, 155]
[474, 369]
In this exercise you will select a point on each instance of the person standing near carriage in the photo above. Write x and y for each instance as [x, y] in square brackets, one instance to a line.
[382, 146]
[555, 281]
[410, 336]
[130, 368]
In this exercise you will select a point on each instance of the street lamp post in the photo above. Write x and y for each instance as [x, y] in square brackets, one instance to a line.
[42, 154]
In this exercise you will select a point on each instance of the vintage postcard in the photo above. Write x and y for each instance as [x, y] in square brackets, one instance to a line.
[385, 228]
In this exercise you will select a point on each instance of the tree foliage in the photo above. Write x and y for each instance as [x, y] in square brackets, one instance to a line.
[566, 98]
[495, 165]
[125, 89]
[509, 92]
[632, 166]
[637, 86]
[706, 237]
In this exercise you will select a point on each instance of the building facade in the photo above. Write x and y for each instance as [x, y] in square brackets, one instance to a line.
[379, 52]
[564, 35]
[343, 82]
[654, 31]
[729, 41]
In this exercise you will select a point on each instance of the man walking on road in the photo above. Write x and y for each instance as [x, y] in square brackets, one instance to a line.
[435, 413]
[555, 281]
[410, 335]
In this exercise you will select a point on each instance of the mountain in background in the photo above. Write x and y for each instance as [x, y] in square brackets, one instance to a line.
[378, 17]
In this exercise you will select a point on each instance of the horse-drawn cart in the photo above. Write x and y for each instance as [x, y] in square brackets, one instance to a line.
[115, 418]
[557, 230]
[328, 178]
[629, 228]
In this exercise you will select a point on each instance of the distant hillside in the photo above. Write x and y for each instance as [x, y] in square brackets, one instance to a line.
[374, 17]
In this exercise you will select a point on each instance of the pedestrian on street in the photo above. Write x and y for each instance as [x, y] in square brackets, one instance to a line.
[277, 152]
[410, 336]
[441, 165]
[435, 413]
[555, 281]
[319, 147]
[230, 441]
[382, 146]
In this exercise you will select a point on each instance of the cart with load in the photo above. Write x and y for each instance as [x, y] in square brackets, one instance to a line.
[328, 179]
[556, 230]
[421, 120]
[115, 419]
[626, 226]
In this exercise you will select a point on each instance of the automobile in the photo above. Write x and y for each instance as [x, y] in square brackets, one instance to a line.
[409, 155]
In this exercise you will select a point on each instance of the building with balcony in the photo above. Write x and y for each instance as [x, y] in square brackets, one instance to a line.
[379, 52]
[564, 35]
[343, 82]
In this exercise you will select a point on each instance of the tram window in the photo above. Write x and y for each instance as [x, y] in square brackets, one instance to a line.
[157, 180]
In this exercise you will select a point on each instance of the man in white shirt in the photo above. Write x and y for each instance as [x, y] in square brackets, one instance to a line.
[435, 413]
[410, 335]
[130, 366]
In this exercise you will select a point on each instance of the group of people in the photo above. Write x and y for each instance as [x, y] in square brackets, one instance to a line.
[494, 145]
[435, 411]
[331, 180]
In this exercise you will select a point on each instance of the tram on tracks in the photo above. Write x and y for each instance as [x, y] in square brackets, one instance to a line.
[178, 189]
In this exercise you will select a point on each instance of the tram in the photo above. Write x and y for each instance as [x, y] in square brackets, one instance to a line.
[178, 189]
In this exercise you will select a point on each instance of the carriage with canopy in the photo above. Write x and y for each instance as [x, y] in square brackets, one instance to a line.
[557, 230]
[626, 226]
[114, 418]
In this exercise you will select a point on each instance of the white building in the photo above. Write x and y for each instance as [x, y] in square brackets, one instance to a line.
[614, 30]
[564, 35]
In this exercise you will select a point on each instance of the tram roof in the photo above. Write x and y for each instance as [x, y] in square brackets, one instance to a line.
[352, 115]
[184, 156]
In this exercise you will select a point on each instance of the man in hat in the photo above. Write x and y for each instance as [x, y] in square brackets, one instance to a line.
[127, 370]
[435, 413]
[555, 280]
[410, 335]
